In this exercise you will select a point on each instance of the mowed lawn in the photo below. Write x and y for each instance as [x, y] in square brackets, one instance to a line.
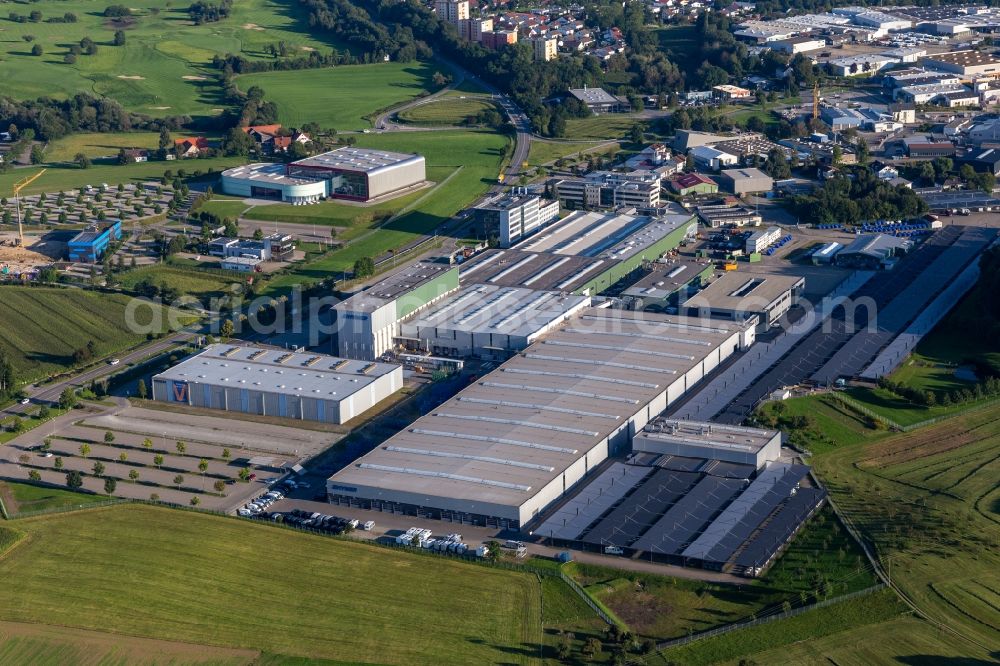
[341, 97]
[156, 572]
[42, 327]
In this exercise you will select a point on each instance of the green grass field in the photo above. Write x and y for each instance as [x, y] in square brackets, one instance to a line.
[545, 152]
[603, 127]
[42, 327]
[341, 97]
[928, 501]
[61, 176]
[199, 284]
[161, 70]
[28, 498]
[445, 111]
[155, 572]
[831, 424]
[95, 145]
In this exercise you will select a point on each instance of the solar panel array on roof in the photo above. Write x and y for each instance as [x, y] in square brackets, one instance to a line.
[729, 470]
[688, 517]
[640, 509]
[593, 501]
[727, 532]
[680, 463]
[779, 528]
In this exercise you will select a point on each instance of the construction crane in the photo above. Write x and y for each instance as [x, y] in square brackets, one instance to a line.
[18, 186]
[816, 100]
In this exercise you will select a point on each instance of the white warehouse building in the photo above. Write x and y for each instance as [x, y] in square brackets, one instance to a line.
[519, 438]
[490, 321]
[273, 382]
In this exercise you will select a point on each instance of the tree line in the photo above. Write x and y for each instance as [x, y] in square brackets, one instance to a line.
[857, 195]
[52, 119]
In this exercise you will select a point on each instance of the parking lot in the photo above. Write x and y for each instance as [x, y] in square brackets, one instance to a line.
[214, 462]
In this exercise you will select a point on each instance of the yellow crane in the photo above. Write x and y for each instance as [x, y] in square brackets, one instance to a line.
[18, 186]
[816, 100]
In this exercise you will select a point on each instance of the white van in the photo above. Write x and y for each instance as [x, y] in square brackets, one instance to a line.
[613, 550]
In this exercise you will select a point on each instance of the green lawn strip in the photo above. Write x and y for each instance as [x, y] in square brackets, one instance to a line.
[829, 422]
[28, 424]
[544, 153]
[602, 127]
[133, 566]
[31, 498]
[862, 611]
[9, 538]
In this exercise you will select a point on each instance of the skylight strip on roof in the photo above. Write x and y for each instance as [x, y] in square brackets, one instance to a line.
[575, 276]
[511, 269]
[588, 345]
[493, 440]
[611, 364]
[515, 422]
[545, 271]
[547, 389]
[576, 375]
[469, 456]
[543, 408]
[683, 327]
[445, 475]
[683, 341]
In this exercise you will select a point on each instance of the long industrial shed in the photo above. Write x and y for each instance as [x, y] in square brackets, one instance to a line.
[519, 438]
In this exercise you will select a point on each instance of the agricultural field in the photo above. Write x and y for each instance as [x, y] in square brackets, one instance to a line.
[445, 111]
[320, 598]
[341, 97]
[42, 327]
[929, 503]
[163, 68]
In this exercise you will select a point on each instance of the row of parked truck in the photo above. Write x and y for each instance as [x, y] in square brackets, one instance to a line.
[422, 538]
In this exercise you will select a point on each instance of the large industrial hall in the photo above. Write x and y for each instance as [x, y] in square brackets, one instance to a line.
[517, 439]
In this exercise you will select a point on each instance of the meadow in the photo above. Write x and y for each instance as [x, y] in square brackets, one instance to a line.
[163, 67]
[25, 497]
[546, 152]
[928, 503]
[201, 285]
[341, 97]
[445, 111]
[601, 127]
[155, 572]
[42, 327]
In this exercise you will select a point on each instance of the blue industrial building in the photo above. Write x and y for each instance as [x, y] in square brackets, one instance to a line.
[90, 245]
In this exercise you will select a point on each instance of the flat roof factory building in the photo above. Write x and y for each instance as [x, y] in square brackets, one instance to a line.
[667, 279]
[489, 321]
[367, 323]
[712, 441]
[742, 297]
[966, 63]
[356, 174]
[519, 438]
[90, 245]
[269, 382]
[745, 181]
